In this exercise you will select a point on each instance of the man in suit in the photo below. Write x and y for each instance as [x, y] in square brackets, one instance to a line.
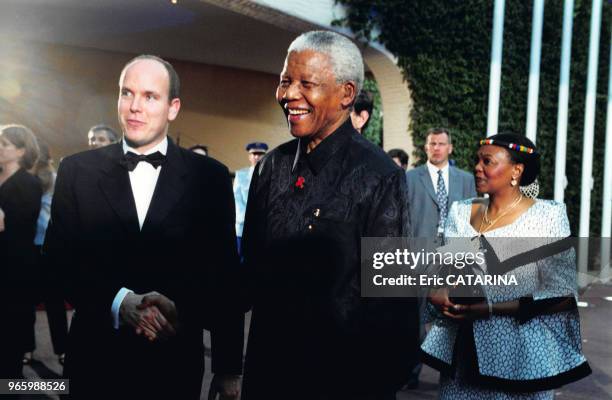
[432, 188]
[127, 222]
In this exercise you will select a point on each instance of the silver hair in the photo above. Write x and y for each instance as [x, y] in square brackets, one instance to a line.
[345, 57]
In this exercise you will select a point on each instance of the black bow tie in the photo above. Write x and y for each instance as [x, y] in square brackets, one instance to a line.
[130, 160]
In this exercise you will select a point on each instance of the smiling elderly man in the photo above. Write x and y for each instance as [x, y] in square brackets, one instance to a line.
[311, 200]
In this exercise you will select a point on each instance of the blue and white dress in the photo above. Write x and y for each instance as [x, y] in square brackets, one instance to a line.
[504, 357]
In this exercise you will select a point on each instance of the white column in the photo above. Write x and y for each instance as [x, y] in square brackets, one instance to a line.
[534, 69]
[606, 213]
[587, 151]
[566, 55]
[496, 61]
[589, 120]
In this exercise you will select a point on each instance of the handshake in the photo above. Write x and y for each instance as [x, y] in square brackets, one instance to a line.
[151, 314]
[154, 316]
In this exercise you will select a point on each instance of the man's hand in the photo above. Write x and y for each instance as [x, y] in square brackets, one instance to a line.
[159, 312]
[1, 220]
[227, 387]
[134, 317]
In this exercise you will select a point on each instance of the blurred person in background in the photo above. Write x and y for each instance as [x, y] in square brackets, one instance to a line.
[200, 149]
[242, 181]
[400, 157]
[362, 111]
[435, 185]
[51, 296]
[20, 194]
[101, 135]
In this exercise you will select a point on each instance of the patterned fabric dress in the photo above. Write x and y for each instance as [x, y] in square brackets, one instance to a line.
[496, 358]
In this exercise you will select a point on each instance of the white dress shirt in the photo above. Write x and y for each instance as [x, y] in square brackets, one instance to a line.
[433, 173]
[143, 180]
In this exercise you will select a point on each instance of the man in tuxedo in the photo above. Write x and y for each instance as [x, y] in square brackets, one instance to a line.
[128, 223]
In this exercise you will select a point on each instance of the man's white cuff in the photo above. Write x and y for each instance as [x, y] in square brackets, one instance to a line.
[117, 304]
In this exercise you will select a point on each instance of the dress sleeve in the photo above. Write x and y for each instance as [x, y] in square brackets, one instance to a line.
[557, 274]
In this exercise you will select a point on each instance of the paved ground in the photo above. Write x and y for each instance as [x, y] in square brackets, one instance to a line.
[597, 341]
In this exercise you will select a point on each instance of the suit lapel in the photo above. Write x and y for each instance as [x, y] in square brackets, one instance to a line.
[169, 189]
[454, 186]
[426, 181]
[115, 184]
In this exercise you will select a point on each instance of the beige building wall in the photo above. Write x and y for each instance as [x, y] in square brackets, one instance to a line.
[396, 101]
[61, 91]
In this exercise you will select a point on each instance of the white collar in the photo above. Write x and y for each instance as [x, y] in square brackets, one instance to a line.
[434, 170]
[162, 147]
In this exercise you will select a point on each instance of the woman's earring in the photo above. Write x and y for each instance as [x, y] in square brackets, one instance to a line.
[513, 182]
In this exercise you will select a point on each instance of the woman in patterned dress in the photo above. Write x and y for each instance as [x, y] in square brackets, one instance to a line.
[511, 341]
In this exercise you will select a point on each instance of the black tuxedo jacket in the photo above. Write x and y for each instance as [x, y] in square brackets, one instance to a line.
[185, 250]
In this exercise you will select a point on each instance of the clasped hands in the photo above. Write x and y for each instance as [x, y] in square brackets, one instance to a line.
[151, 314]
[155, 316]
[1, 220]
[440, 299]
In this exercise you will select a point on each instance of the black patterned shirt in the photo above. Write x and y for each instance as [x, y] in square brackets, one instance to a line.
[306, 215]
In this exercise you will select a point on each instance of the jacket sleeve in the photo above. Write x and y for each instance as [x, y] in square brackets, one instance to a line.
[227, 330]
[254, 234]
[392, 323]
[86, 290]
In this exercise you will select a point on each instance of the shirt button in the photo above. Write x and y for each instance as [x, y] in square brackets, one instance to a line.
[317, 212]
[309, 227]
